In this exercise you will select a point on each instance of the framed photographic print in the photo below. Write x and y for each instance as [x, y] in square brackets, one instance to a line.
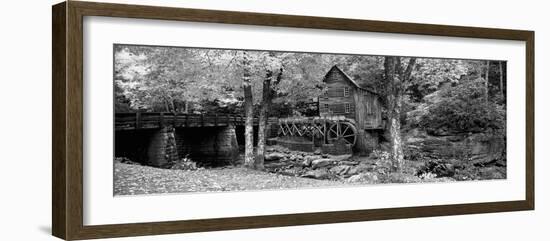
[171, 120]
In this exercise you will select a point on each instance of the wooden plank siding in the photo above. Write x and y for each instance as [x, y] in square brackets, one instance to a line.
[334, 97]
[338, 99]
[373, 111]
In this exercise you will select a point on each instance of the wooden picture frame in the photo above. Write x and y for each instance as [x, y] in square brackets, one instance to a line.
[67, 124]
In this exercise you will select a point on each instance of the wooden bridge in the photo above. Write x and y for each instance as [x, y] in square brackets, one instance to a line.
[158, 139]
[155, 120]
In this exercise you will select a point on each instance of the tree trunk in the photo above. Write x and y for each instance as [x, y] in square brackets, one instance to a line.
[264, 111]
[480, 71]
[249, 112]
[501, 75]
[186, 107]
[487, 82]
[166, 105]
[395, 78]
[391, 65]
[174, 108]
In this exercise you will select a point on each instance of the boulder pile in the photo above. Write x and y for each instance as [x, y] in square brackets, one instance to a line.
[320, 166]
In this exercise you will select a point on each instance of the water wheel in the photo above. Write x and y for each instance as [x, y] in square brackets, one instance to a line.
[342, 130]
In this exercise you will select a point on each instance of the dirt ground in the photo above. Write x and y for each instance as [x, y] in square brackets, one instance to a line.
[135, 179]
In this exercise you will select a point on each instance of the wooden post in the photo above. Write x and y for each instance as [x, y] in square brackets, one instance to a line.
[138, 120]
[326, 124]
[216, 120]
[161, 119]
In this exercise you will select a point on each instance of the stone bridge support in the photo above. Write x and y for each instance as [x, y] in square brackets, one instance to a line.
[162, 149]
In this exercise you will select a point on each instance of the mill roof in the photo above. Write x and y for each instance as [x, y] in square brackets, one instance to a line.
[348, 78]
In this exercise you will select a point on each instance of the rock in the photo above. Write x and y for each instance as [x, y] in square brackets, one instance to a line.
[184, 165]
[294, 171]
[274, 165]
[455, 138]
[368, 177]
[385, 147]
[324, 155]
[274, 156]
[317, 152]
[354, 178]
[439, 168]
[306, 162]
[383, 170]
[443, 131]
[360, 168]
[340, 170]
[349, 163]
[317, 174]
[492, 173]
[480, 147]
[312, 158]
[321, 163]
[292, 157]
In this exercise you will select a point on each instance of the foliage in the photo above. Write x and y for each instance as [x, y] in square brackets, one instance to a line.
[408, 174]
[366, 70]
[463, 108]
[380, 155]
[162, 78]
[122, 103]
[153, 77]
[430, 74]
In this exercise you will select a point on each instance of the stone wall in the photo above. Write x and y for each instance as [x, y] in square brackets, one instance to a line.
[305, 146]
[372, 141]
[337, 148]
[162, 149]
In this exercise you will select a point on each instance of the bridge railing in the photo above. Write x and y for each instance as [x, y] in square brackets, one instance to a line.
[144, 120]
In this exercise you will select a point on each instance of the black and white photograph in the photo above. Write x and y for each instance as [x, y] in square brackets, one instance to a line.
[190, 119]
[275, 120]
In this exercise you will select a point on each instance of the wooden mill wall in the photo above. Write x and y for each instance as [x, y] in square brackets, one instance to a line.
[372, 110]
[334, 98]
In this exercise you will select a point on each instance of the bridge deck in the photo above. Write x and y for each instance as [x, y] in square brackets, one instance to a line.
[149, 120]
